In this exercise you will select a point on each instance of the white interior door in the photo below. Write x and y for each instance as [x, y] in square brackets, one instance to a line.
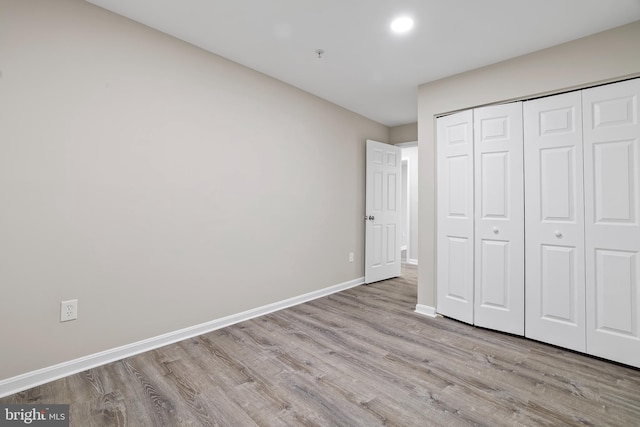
[383, 212]
[612, 198]
[455, 216]
[554, 226]
[499, 218]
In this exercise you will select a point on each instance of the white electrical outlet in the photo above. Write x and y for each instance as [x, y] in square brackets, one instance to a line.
[68, 310]
[350, 256]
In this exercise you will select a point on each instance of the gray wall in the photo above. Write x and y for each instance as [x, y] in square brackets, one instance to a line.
[403, 133]
[161, 185]
[603, 57]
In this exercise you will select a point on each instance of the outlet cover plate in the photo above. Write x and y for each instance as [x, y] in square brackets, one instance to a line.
[68, 310]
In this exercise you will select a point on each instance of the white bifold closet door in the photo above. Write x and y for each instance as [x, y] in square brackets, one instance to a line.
[580, 182]
[554, 226]
[499, 218]
[612, 215]
[455, 216]
[481, 217]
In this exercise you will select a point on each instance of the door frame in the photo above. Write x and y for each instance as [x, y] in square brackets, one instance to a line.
[411, 192]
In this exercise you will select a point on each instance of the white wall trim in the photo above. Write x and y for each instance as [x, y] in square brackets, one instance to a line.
[412, 261]
[41, 376]
[407, 208]
[426, 310]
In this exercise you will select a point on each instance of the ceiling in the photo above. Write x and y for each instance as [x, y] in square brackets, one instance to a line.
[366, 68]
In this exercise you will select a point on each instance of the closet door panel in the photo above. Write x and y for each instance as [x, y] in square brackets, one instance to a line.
[499, 218]
[494, 257]
[455, 216]
[554, 226]
[616, 274]
[612, 196]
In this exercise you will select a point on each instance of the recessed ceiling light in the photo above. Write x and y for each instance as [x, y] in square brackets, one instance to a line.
[402, 24]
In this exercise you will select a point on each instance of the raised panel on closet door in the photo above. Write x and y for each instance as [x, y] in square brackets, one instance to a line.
[455, 216]
[612, 220]
[554, 221]
[499, 218]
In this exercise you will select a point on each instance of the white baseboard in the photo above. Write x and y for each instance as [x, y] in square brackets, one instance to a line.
[426, 310]
[412, 261]
[41, 376]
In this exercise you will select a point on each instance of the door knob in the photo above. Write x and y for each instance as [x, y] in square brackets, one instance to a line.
[371, 217]
[558, 234]
[495, 230]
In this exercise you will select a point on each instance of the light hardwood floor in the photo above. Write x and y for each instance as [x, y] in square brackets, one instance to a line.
[361, 357]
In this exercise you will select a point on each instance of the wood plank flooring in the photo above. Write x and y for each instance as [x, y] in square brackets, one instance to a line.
[361, 357]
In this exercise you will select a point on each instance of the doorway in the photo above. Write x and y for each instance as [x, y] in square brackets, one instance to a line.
[409, 232]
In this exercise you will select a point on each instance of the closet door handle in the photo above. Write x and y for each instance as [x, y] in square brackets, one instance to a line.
[558, 234]
[496, 230]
